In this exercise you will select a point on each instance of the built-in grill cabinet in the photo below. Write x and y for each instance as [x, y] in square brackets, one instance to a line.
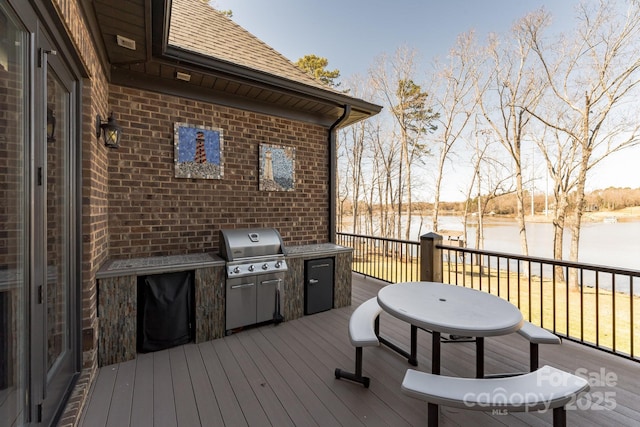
[165, 310]
[251, 299]
[255, 273]
[318, 285]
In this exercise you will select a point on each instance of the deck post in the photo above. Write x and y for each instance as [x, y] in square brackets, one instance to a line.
[430, 258]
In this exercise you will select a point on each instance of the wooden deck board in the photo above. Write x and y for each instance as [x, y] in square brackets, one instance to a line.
[278, 375]
[322, 396]
[122, 395]
[142, 406]
[164, 408]
[205, 398]
[229, 407]
[289, 384]
[263, 389]
[331, 345]
[314, 352]
[185, 400]
[8, 404]
[251, 408]
[97, 411]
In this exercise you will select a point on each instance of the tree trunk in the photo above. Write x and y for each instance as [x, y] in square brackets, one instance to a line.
[480, 229]
[407, 234]
[436, 206]
[520, 214]
[436, 203]
[580, 193]
[558, 231]
[400, 186]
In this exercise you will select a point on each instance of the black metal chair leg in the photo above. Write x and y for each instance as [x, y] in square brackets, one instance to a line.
[479, 357]
[357, 375]
[533, 356]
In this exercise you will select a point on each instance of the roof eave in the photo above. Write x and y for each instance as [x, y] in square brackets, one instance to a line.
[174, 53]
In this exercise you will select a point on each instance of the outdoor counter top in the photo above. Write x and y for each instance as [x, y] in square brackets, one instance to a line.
[316, 249]
[158, 264]
[171, 263]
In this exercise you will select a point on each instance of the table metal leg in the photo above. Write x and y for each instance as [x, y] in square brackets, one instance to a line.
[432, 414]
[435, 356]
[479, 357]
[412, 357]
[413, 360]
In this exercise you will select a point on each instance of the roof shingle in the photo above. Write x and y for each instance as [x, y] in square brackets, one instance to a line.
[197, 27]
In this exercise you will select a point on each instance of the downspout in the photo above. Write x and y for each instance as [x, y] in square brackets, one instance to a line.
[333, 170]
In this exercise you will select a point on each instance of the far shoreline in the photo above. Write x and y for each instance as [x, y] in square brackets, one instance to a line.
[630, 214]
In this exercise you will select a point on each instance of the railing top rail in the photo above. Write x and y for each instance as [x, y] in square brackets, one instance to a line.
[385, 239]
[562, 263]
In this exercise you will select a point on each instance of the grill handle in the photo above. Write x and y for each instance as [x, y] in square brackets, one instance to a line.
[313, 281]
[242, 285]
[268, 282]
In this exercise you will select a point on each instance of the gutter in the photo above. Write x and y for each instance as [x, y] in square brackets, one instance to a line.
[239, 72]
[333, 169]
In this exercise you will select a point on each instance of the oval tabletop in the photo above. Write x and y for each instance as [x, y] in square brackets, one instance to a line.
[450, 309]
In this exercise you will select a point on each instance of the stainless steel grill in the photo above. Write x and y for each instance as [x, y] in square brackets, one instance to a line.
[255, 269]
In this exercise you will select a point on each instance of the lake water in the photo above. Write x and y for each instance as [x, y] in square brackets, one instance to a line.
[606, 244]
[610, 244]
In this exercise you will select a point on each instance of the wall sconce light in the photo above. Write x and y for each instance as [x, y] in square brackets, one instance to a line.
[110, 130]
[51, 126]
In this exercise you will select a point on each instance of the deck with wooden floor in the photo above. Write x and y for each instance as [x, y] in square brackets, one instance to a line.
[283, 375]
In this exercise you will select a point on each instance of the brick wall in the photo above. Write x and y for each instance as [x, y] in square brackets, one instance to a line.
[153, 213]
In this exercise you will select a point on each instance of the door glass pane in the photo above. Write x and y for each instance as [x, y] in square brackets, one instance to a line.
[13, 197]
[58, 205]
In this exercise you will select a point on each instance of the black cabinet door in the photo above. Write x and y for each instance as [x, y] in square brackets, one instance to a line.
[318, 285]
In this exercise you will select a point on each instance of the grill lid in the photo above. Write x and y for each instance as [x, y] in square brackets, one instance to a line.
[238, 244]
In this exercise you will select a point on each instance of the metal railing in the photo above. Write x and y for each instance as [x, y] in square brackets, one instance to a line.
[391, 260]
[595, 305]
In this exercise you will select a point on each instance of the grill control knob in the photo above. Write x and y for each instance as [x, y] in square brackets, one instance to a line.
[251, 267]
[236, 270]
[265, 266]
[278, 264]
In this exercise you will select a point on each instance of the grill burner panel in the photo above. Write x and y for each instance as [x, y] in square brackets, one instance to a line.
[257, 266]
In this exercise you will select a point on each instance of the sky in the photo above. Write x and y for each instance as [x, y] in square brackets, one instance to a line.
[352, 33]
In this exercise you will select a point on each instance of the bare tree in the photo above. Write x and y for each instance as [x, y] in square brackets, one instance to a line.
[561, 158]
[394, 80]
[354, 140]
[386, 155]
[515, 83]
[455, 101]
[364, 159]
[593, 81]
[491, 178]
[342, 193]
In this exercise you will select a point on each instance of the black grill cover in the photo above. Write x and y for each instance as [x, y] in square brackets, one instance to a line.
[166, 311]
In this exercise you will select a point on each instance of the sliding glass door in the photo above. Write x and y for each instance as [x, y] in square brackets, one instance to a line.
[39, 279]
[54, 244]
[14, 209]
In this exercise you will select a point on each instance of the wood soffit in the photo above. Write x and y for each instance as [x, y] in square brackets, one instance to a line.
[222, 59]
